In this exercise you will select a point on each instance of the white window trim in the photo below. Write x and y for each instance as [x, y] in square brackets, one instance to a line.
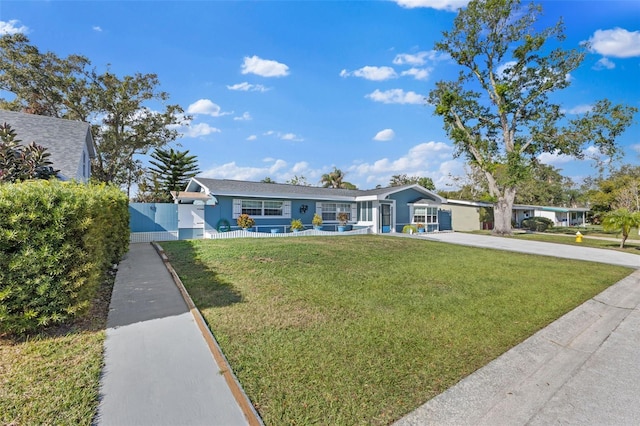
[412, 214]
[354, 211]
[364, 205]
[286, 208]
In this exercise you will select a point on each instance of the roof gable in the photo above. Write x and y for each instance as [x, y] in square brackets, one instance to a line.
[65, 140]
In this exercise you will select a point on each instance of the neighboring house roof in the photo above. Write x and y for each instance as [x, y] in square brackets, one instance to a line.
[229, 187]
[519, 206]
[551, 209]
[65, 140]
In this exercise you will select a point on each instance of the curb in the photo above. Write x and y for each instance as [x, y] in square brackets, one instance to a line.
[250, 413]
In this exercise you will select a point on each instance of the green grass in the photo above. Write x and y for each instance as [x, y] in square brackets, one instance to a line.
[362, 330]
[53, 377]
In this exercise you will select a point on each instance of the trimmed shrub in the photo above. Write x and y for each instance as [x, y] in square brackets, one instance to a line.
[538, 224]
[408, 228]
[57, 240]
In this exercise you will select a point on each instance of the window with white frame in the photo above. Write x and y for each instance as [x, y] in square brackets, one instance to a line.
[330, 211]
[262, 208]
[365, 211]
[425, 215]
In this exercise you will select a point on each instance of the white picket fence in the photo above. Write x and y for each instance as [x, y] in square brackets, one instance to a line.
[306, 233]
[146, 237]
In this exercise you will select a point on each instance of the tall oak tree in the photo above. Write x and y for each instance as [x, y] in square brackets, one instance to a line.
[498, 112]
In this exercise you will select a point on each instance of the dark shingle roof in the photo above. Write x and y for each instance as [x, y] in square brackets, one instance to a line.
[64, 139]
[261, 189]
[239, 187]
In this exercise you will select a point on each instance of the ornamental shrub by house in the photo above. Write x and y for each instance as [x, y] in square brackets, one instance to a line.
[537, 223]
[57, 240]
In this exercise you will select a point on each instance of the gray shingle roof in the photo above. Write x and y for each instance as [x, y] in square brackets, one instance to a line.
[239, 187]
[64, 139]
[261, 189]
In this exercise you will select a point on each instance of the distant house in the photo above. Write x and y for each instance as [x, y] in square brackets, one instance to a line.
[69, 142]
[208, 206]
[466, 215]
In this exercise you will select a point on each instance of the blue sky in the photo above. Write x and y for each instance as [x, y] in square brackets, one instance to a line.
[284, 88]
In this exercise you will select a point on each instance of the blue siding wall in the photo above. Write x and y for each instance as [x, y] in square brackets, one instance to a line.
[153, 217]
[224, 210]
[402, 209]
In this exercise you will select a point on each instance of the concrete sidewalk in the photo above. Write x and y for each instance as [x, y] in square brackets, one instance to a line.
[583, 369]
[159, 367]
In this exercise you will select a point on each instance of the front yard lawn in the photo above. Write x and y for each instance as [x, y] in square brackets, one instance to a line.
[364, 329]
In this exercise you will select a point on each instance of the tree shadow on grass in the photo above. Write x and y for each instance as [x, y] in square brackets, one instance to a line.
[203, 283]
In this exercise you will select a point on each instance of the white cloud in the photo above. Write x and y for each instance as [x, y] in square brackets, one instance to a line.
[234, 171]
[418, 73]
[289, 137]
[423, 156]
[12, 27]
[206, 107]
[617, 42]
[384, 135]
[636, 148]
[396, 96]
[420, 58]
[276, 169]
[200, 129]
[277, 165]
[246, 87]
[371, 73]
[96, 28]
[554, 158]
[284, 136]
[604, 63]
[449, 5]
[264, 67]
[252, 138]
[244, 117]
[429, 159]
[580, 109]
[300, 167]
[500, 71]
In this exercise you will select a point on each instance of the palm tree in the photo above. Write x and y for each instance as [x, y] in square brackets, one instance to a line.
[333, 179]
[621, 220]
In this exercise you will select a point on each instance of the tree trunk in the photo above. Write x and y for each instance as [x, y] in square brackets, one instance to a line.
[624, 239]
[502, 213]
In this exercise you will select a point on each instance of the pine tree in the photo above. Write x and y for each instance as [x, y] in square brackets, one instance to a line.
[173, 169]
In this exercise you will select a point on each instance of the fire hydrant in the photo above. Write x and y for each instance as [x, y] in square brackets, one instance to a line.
[578, 237]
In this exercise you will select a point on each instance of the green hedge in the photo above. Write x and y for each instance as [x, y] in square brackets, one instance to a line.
[57, 240]
[538, 224]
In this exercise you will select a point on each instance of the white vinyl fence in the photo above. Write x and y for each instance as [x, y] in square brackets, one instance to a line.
[145, 237]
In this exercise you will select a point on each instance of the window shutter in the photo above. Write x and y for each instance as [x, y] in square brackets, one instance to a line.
[319, 209]
[286, 209]
[354, 212]
[237, 208]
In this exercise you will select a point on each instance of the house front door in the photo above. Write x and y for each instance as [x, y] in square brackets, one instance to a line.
[385, 218]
